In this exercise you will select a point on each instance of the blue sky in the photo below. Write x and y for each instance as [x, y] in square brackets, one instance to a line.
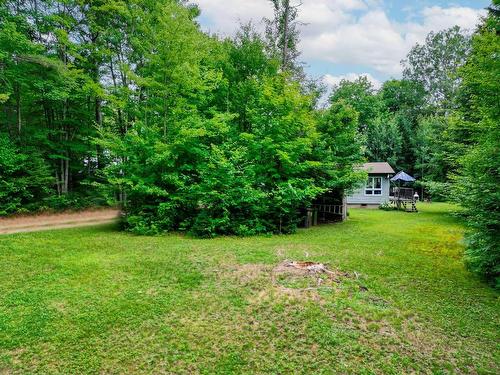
[348, 38]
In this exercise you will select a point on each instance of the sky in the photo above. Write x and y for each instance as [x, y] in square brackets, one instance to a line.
[343, 39]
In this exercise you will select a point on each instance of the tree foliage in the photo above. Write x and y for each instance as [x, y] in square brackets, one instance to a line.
[411, 122]
[131, 100]
[434, 65]
[478, 181]
[384, 141]
[25, 178]
[244, 161]
[361, 95]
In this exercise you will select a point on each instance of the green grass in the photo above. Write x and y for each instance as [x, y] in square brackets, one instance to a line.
[94, 300]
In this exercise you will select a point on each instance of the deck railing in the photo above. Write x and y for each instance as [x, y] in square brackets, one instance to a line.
[399, 193]
[325, 213]
[328, 208]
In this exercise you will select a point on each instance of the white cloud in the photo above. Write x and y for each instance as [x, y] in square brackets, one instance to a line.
[331, 80]
[226, 16]
[371, 41]
[437, 18]
[349, 32]
[321, 15]
[375, 41]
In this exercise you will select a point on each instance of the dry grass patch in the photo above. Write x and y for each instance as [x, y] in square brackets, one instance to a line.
[304, 276]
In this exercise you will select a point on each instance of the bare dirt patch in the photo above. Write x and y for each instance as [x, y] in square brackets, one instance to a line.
[296, 279]
[292, 276]
[40, 222]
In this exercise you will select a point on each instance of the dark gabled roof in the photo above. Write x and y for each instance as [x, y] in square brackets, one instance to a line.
[378, 168]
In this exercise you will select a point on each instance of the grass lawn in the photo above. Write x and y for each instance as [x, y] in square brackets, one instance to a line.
[94, 300]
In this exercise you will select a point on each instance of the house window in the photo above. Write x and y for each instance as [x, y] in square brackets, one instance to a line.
[374, 186]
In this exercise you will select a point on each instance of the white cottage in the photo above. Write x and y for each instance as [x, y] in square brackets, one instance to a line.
[376, 189]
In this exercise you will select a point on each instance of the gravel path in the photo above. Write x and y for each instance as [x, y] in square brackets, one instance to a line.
[56, 221]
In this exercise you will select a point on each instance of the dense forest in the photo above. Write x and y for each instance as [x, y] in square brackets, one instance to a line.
[130, 102]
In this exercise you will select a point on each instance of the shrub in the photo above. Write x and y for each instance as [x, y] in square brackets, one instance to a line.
[479, 192]
[386, 206]
[24, 179]
[438, 191]
[478, 182]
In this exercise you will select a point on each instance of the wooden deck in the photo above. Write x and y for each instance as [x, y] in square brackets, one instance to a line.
[325, 213]
[403, 198]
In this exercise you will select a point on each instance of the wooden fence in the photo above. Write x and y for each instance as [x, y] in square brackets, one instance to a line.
[320, 212]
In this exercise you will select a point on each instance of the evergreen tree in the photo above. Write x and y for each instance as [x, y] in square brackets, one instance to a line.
[478, 181]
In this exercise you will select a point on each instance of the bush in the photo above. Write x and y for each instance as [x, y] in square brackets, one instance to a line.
[72, 201]
[438, 191]
[478, 183]
[24, 179]
[478, 190]
[386, 206]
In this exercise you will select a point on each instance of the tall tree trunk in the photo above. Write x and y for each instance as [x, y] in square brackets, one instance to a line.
[98, 120]
[65, 161]
[422, 178]
[284, 56]
[98, 111]
[66, 174]
[119, 110]
[62, 177]
[18, 108]
[58, 183]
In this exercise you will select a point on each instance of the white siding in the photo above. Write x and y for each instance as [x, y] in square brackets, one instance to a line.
[359, 197]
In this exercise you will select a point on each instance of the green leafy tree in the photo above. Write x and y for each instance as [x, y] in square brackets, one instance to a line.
[359, 94]
[24, 178]
[244, 64]
[47, 89]
[434, 65]
[404, 100]
[478, 182]
[339, 148]
[403, 96]
[384, 141]
[130, 100]
[435, 157]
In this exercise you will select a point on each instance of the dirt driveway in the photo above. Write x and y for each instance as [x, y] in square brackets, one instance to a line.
[56, 221]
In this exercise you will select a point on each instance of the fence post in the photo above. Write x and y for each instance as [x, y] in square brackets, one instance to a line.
[344, 208]
[309, 217]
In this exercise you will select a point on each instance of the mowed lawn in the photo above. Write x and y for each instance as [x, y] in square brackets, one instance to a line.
[95, 300]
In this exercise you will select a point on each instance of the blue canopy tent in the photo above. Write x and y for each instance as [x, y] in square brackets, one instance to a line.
[403, 196]
[402, 177]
